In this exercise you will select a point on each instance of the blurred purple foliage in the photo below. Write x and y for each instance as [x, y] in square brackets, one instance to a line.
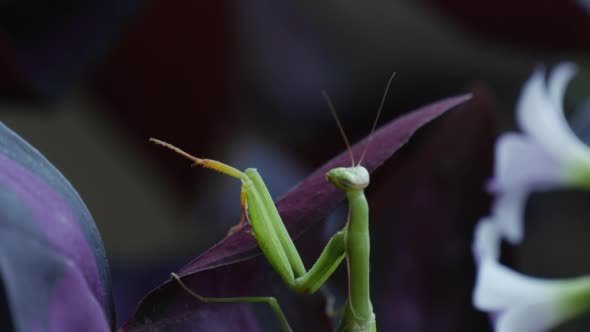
[53, 266]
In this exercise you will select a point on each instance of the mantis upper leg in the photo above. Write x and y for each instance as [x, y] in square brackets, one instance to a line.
[277, 245]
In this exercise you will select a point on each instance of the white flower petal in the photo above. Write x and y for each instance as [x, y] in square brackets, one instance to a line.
[486, 240]
[508, 213]
[558, 81]
[521, 162]
[499, 288]
[541, 117]
[518, 303]
[522, 166]
[530, 317]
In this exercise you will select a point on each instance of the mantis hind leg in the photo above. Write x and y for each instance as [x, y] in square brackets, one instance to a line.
[271, 301]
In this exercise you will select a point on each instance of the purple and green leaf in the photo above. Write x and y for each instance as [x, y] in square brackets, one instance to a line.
[53, 270]
[234, 267]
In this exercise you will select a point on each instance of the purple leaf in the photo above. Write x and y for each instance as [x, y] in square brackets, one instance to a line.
[53, 267]
[314, 198]
[227, 269]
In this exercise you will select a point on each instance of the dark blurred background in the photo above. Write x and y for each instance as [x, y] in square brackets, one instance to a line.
[89, 82]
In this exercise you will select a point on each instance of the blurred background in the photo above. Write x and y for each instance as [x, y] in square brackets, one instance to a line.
[88, 83]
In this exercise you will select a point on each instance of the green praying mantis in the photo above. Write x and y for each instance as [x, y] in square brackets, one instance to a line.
[352, 242]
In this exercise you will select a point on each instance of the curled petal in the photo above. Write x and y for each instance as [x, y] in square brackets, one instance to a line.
[508, 210]
[530, 317]
[558, 81]
[521, 162]
[498, 288]
[525, 304]
[540, 114]
[486, 243]
[522, 165]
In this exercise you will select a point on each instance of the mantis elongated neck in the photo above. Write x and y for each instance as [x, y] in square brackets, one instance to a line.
[357, 254]
[359, 211]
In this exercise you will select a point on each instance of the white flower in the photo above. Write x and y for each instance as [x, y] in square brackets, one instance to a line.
[519, 303]
[546, 155]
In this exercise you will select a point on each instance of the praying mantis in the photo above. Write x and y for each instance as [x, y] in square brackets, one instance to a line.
[351, 242]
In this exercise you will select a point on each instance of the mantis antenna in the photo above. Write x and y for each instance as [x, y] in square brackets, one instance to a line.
[340, 128]
[377, 117]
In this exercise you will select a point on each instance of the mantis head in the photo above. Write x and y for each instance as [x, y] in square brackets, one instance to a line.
[354, 177]
[349, 178]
